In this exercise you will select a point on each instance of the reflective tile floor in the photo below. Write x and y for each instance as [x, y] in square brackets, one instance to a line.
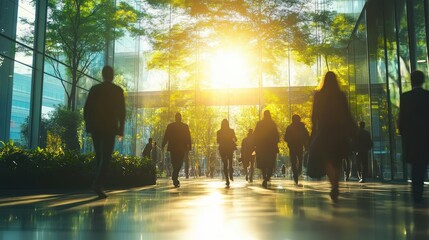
[204, 209]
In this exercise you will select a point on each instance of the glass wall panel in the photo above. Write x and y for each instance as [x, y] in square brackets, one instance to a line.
[393, 87]
[8, 19]
[379, 89]
[20, 104]
[403, 41]
[22, 74]
[391, 41]
[25, 30]
[363, 111]
[420, 29]
[352, 7]
[359, 83]
[52, 98]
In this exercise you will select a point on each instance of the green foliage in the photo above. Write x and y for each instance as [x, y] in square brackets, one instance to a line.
[61, 129]
[328, 36]
[25, 131]
[266, 29]
[246, 118]
[79, 31]
[68, 126]
[47, 168]
[203, 124]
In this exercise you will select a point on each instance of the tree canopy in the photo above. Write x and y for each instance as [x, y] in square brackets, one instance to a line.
[78, 31]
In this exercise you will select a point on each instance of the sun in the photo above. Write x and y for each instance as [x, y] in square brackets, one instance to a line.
[229, 69]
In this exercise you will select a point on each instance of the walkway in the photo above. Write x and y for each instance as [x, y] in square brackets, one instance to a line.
[205, 209]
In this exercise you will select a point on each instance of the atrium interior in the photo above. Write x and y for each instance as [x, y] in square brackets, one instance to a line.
[208, 60]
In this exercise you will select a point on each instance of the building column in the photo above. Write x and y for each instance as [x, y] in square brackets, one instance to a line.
[37, 74]
[8, 20]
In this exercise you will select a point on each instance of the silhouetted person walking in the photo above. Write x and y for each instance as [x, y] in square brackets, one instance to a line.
[104, 114]
[178, 137]
[363, 143]
[414, 128]
[332, 121]
[296, 136]
[147, 149]
[226, 139]
[266, 137]
[247, 155]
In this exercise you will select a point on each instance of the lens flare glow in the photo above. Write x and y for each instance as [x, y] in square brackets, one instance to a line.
[229, 69]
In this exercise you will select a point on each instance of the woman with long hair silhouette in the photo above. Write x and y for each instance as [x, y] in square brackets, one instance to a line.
[334, 125]
[226, 139]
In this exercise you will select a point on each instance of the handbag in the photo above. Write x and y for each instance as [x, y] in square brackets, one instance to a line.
[316, 160]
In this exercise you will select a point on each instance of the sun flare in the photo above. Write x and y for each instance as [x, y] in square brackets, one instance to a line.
[229, 69]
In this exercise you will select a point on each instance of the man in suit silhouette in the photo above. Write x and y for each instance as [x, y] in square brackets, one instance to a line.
[296, 136]
[104, 114]
[178, 137]
[363, 143]
[414, 128]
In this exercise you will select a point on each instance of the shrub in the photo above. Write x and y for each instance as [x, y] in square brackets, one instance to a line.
[46, 168]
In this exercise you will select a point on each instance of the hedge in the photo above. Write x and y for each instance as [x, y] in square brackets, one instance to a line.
[43, 168]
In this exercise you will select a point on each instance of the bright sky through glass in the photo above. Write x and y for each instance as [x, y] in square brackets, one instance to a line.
[229, 69]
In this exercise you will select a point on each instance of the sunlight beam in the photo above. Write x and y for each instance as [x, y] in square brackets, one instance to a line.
[229, 69]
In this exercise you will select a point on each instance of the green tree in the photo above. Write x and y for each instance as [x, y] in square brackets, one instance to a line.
[61, 128]
[327, 38]
[45, 123]
[204, 121]
[68, 125]
[264, 29]
[78, 31]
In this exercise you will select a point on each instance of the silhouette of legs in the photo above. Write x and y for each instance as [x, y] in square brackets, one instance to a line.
[225, 171]
[252, 168]
[347, 164]
[362, 164]
[177, 162]
[187, 167]
[231, 169]
[333, 169]
[227, 166]
[103, 145]
[245, 166]
[266, 175]
[418, 172]
[266, 162]
[296, 162]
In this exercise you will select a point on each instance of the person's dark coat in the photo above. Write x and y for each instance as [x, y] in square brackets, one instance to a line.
[147, 150]
[247, 148]
[266, 139]
[362, 141]
[226, 139]
[296, 135]
[104, 110]
[414, 125]
[178, 137]
[333, 122]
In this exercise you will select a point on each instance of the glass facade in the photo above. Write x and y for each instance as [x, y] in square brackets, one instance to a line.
[388, 43]
[389, 40]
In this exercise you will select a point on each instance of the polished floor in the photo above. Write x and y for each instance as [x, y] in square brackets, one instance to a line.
[204, 209]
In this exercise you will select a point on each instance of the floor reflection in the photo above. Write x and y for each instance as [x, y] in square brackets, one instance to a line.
[204, 208]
